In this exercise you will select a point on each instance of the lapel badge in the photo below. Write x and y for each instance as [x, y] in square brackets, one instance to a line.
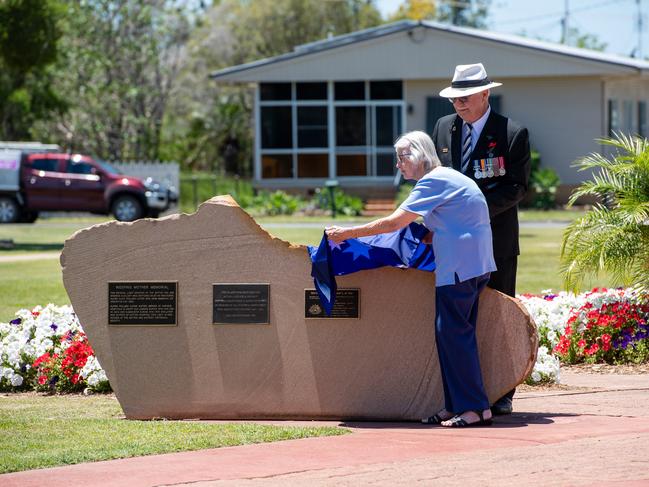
[444, 150]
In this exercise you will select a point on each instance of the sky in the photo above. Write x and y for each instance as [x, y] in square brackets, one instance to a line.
[614, 22]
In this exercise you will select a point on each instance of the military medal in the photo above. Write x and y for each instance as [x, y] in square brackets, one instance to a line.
[483, 170]
[501, 163]
[490, 170]
[476, 168]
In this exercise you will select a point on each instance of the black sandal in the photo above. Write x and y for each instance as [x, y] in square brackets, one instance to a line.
[459, 422]
[434, 419]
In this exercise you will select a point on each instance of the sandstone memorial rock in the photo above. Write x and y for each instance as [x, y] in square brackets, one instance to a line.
[205, 316]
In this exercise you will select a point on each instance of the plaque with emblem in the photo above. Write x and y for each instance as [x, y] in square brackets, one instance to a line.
[347, 304]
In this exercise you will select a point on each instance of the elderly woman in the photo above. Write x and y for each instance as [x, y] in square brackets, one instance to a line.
[455, 211]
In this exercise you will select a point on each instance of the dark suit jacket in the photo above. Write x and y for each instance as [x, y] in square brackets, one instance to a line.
[500, 137]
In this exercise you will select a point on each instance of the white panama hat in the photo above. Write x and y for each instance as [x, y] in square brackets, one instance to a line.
[468, 79]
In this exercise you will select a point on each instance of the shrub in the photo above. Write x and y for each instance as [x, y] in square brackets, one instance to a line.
[403, 193]
[346, 204]
[543, 186]
[197, 187]
[275, 203]
[612, 237]
[544, 183]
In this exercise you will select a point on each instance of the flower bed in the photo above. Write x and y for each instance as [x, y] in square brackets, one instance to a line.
[46, 349]
[601, 326]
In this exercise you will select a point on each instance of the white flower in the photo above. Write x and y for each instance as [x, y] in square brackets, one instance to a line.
[38, 331]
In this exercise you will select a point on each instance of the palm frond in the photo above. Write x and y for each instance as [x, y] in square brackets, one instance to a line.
[600, 242]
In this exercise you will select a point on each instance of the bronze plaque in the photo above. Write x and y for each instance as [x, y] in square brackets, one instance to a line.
[347, 304]
[142, 303]
[238, 304]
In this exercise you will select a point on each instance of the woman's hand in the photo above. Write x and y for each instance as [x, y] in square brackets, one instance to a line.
[337, 234]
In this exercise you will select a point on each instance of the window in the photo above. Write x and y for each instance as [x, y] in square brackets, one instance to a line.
[386, 90]
[613, 117]
[277, 166]
[311, 91]
[45, 165]
[349, 90]
[275, 91]
[642, 119]
[351, 165]
[312, 165]
[351, 126]
[305, 128]
[276, 127]
[81, 168]
[627, 118]
[312, 128]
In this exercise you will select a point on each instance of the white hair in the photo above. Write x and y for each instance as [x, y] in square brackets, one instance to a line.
[422, 148]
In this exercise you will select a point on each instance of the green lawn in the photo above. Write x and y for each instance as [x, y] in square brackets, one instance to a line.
[26, 284]
[39, 431]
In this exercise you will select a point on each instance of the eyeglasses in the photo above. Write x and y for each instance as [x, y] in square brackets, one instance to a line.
[463, 99]
[403, 155]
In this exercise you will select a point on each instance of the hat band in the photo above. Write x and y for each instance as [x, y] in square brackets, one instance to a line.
[470, 83]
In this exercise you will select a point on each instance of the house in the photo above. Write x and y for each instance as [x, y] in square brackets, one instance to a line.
[331, 109]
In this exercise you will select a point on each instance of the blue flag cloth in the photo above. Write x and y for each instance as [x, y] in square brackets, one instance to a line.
[403, 248]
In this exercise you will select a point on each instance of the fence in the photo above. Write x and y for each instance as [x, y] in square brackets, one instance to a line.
[163, 172]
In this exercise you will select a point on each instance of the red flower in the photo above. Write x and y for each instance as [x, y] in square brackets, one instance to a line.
[42, 379]
[592, 350]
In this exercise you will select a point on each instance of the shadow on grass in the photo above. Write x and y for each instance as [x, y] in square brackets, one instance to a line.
[33, 247]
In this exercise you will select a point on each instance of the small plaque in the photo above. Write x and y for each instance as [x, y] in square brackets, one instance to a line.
[235, 304]
[142, 303]
[347, 304]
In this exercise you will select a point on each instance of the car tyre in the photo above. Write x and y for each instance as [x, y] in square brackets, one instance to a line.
[127, 208]
[9, 210]
[29, 217]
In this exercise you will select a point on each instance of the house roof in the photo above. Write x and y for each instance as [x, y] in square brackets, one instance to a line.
[357, 38]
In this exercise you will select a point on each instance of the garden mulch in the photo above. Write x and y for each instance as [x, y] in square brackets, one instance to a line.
[593, 429]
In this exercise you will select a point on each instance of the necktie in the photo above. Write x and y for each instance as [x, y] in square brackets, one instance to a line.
[466, 146]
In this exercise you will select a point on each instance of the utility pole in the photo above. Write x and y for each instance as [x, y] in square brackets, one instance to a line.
[638, 51]
[564, 22]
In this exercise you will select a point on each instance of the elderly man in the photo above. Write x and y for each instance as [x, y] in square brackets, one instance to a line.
[495, 152]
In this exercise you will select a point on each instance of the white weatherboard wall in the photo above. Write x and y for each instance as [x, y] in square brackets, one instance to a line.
[564, 116]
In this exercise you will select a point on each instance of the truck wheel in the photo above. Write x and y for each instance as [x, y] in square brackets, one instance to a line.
[127, 208]
[9, 210]
[29, 217]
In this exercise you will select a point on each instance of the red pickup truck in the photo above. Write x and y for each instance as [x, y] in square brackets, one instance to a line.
[50, 181]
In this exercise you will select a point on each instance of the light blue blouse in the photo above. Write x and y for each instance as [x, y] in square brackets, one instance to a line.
[455, 210]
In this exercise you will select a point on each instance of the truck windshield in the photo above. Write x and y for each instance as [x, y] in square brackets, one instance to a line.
[108, 168]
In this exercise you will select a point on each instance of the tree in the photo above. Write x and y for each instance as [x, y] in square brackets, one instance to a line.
[614, 236]
[464, 13]
[415, 10]
[29, 36]
[120, 59]
[209, 123]
[577, 38]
